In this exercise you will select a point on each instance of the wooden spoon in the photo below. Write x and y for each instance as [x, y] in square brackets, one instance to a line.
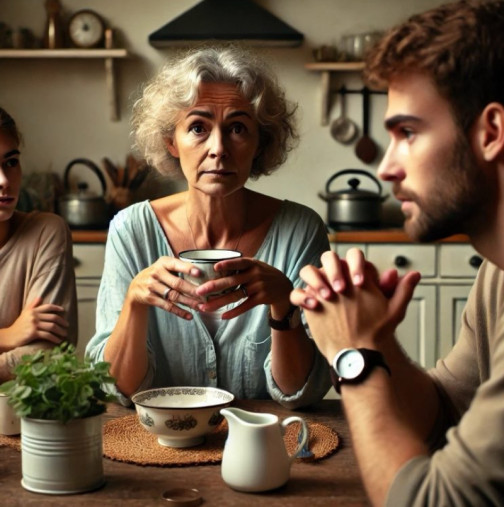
[366, 148]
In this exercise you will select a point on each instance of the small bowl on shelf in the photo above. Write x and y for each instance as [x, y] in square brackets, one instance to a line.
[181, 416]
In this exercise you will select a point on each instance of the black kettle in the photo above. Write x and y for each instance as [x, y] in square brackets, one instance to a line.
[352, 207]
[84, 209]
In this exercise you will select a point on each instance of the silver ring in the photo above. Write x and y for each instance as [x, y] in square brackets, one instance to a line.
[166, 292]
[244, 290]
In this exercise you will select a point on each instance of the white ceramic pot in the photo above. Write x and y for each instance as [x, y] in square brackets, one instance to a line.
[9, 421]
[59, 459]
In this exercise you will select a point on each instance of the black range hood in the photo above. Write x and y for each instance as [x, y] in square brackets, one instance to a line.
[226, 20]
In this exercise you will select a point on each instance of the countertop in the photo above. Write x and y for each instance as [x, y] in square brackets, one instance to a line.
[81, 236]
[384, 236]
[364, 236]
[334, 480]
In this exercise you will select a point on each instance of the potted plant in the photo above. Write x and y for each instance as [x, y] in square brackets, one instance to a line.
[59, 398]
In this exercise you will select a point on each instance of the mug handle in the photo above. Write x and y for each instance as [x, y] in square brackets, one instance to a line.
[304, 435]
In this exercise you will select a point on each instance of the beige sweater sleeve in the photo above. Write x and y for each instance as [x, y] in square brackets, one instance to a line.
[36, 261]
[469, 468]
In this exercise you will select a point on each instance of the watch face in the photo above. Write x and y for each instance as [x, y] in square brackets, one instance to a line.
[86, 29]
[349, 363]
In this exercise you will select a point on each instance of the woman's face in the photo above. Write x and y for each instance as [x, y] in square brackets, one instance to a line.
[216, 140]
[10, 176]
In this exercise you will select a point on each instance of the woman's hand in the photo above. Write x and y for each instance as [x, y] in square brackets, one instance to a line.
[159, 285]
[252, 280]
[36, 322]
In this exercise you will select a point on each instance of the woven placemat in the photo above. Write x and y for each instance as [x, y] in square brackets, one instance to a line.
[8, 441]
[124, 439]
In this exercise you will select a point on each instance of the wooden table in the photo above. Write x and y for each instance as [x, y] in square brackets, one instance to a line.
[331, 481]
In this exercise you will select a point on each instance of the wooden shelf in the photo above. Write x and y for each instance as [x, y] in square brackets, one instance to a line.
[63, 53]
[325, 69]
[108, 55]
[335, 66]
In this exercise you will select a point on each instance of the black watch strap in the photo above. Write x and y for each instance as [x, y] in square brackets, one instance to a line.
[291, 320]
[372, 358]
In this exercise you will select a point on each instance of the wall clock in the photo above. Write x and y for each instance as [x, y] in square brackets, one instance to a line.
[86, 29]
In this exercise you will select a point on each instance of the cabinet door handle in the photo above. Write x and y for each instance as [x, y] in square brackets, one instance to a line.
[475, 261]
[400, 261]
[76, 262]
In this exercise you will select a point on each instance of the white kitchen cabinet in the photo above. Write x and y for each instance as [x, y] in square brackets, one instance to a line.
[342, 248]
[458, 261]
[404, 257]
[87, 293]
[88, 262]
[417, 331]
[452, 300]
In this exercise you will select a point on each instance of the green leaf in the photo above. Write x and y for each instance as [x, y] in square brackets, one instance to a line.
[56, 384]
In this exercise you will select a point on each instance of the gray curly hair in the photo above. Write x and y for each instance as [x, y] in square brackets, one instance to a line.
[175, 88]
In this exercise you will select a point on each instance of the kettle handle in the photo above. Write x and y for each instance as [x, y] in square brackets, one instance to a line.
[91, 165]
[353, 171]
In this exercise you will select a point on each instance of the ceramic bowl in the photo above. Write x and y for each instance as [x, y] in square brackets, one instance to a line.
[181, 416]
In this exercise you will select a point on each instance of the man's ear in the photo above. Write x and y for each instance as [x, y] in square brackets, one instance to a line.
[490, 131]
[171, 147]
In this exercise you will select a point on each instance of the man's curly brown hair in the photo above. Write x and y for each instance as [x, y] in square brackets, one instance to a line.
[460, 46]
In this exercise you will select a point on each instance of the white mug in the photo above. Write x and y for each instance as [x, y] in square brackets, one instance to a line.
[10, 424]
[205, 261]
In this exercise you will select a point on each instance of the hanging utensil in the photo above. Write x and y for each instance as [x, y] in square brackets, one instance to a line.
[139, 178]
[111, 170]
[343, 129]
[366, 148]
[132, 166]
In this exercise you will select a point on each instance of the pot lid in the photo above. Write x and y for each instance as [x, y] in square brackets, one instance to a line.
[354, 192]
[83, 194]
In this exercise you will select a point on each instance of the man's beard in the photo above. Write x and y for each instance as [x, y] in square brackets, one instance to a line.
[459, 202]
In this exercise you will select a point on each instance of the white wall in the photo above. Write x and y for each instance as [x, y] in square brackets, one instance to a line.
[61, 106]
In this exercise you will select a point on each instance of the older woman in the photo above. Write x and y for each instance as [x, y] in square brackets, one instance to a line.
[38, 306]
[216, 117]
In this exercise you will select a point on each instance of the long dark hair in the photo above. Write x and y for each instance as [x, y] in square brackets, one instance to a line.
[8, 125]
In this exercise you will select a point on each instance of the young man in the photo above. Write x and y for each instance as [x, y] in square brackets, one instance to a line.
[428, 438]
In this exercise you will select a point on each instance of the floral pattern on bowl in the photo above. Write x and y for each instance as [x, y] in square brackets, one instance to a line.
[181, 416]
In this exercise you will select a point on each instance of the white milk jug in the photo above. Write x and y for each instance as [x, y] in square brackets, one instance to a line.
[255, 458]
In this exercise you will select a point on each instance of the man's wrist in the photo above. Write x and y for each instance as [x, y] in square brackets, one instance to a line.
[353, 366]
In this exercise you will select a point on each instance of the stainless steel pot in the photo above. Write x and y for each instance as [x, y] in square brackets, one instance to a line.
[84, 209]
[353, 207]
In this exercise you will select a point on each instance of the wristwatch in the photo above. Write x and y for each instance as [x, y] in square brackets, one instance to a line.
[352, 366]
[290, 321]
